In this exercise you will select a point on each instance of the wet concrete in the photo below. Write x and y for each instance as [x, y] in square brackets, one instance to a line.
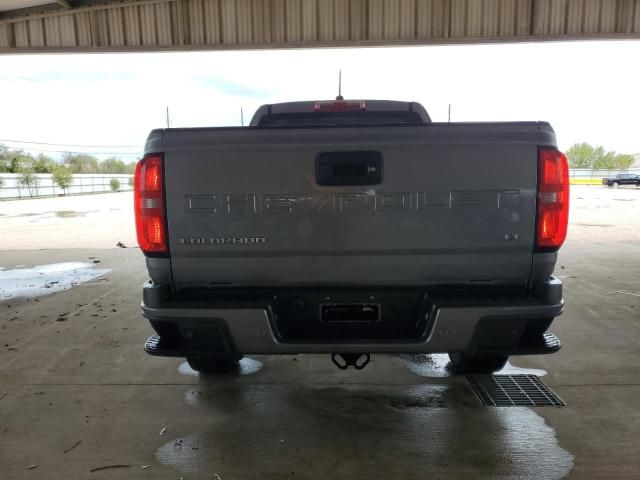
[72, 369]
[437, 365]
[39, 216]
[85, 221]
[45, 279]
[72, 213]
[360, 431]
[246, 366]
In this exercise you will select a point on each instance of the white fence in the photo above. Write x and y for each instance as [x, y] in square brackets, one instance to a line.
[46, 187]
[97, 183]
[588, 174]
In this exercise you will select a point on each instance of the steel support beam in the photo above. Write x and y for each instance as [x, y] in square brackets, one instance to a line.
[152, 25]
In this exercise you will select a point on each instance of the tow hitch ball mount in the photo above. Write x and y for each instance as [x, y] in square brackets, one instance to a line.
[346, 360]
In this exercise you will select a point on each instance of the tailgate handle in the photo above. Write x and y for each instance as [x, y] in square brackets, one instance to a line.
[349, 168]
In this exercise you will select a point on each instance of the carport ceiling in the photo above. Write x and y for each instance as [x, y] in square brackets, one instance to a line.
[135, 25]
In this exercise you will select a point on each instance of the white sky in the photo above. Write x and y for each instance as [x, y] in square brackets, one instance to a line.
[589, 91]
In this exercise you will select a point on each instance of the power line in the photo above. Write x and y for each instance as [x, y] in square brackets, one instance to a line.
[67, 144]
[82, 153]
[18, 77]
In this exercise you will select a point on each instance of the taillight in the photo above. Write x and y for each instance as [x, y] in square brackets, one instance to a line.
[148, 197]
[553, 199]
[340, 106]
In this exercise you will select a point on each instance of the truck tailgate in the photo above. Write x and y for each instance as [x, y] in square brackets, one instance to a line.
[456, 203]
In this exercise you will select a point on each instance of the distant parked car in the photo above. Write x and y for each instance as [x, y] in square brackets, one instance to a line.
[622, 179]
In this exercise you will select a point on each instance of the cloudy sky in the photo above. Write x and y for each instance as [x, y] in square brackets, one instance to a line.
[589, 91]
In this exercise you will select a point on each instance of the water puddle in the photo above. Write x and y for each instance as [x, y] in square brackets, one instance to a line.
[355, 431]
[185, 369]
[246, 366]
[510, 369]
[55, 213]
[436, 365]
[45, 279]
[68, 214]
[73, 213]
[249, 366]
[192, 397]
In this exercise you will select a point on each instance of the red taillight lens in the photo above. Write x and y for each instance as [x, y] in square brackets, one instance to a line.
[148, 197]
[553, 199]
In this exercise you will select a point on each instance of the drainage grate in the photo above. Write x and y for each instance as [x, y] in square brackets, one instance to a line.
[513, 391]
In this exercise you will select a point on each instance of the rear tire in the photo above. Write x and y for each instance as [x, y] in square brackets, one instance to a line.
[463, 363]
[213, 364]
[615, 184]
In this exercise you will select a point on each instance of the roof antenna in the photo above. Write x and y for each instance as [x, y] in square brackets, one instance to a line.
[339, 97]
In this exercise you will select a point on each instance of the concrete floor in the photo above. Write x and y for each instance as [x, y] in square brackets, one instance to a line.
[88, 221]
[80, 393]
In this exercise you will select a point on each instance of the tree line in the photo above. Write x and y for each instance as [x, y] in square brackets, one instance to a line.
[27, 166]
[583, 155]
[13, 161]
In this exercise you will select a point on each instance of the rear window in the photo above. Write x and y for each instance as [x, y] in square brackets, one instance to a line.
[339, 118]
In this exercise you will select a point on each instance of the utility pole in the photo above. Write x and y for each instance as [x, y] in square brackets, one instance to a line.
[449, 113]
[168, 122]
[241, 117]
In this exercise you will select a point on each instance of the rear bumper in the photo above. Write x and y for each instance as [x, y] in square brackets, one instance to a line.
[485, 328]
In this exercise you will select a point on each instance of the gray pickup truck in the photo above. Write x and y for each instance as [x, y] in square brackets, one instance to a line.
[350, 228]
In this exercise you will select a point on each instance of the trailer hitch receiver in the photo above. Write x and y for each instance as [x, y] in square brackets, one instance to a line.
[346, 360]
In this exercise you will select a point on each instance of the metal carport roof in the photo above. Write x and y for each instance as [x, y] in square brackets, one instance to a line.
[143, 25]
